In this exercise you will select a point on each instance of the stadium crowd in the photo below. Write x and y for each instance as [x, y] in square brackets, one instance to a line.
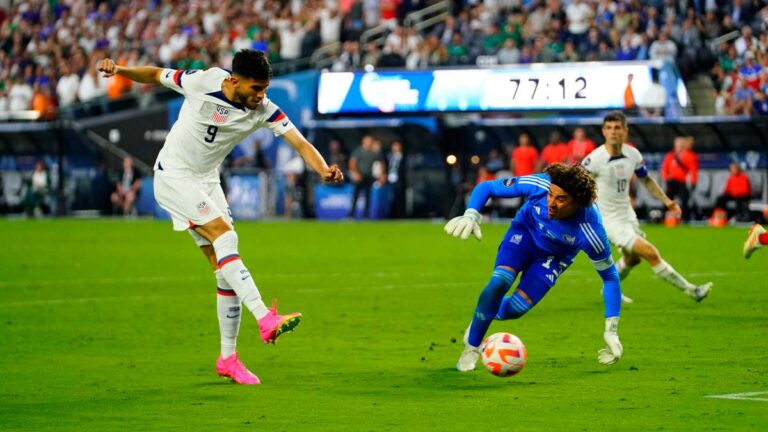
[49, 48]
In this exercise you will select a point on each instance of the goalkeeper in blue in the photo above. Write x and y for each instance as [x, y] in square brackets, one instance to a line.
[557, 221]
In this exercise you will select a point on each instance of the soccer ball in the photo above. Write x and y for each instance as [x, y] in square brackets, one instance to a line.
[504, 354]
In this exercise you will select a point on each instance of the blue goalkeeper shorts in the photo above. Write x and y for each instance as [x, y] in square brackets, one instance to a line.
[538, 269]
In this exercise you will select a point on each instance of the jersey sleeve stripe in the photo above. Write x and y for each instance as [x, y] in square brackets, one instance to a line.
[591, 237]
[599, 242]
[177, 77]
[276, 116]
[533, 184]
[533, 181]
[536, 179]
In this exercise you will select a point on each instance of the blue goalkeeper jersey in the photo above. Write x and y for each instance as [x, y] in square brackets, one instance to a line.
[565, 237]
[562, 238]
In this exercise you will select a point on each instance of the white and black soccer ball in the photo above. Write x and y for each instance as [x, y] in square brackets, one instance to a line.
[503, 354]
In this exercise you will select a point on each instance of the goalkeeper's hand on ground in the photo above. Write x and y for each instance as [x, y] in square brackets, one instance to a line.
[611, 353]
[463, 226]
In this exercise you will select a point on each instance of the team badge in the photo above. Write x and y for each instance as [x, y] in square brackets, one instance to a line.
[220, 115]
[509, 182]
[516, 239]
[203, 208]
[569, 239]
[620, 171]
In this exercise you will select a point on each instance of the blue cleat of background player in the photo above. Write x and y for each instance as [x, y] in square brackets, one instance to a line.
[557, 221]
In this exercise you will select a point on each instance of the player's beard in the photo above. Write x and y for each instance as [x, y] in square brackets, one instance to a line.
[244, 100]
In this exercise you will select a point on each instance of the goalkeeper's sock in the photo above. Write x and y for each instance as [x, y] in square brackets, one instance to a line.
[488, 305]
[669, 275]
[623, 268]
[228, 309]
[237, 275]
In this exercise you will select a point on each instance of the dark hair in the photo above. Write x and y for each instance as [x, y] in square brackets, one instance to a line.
[575, 180]
[615, 116]
[252, 64]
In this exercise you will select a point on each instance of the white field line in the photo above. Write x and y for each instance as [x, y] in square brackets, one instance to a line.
[743, 396]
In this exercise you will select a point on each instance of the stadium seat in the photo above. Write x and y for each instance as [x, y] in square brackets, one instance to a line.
[145, 203]
[12, 188]
[702, 196]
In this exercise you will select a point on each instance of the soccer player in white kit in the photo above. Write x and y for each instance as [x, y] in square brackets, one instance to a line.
[613, 165]
[220, 109]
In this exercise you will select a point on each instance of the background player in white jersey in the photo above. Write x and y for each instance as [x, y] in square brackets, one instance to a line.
[220, 109]
[612, 165]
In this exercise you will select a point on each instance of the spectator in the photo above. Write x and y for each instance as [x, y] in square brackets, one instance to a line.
[495, 162]
[525, 157]
[391, 58]
[37, 195]
[508, 54]
[330, 25]
[294, 195]
[44, 102]
[484, 174]
[750, 71]
[361, 172]
[653, 100]
[67, 87]
[290, 40]
[555, 151]
[388, 13]
[92, 85]
[20, 96]
[127, 188]
[579, 146]
[737, 190]
[663, 48]
[396, 178]
[579, 16]
[679, 170]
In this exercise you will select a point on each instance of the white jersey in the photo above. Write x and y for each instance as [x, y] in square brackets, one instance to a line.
[613, 175]
[209, 124]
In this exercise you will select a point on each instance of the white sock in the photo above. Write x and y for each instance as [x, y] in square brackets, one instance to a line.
[237, 275]
[228, 309]
[623, 268]
[666, 272]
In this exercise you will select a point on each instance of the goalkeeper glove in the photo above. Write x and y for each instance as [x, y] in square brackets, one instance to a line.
[611, 353]
[463, 226]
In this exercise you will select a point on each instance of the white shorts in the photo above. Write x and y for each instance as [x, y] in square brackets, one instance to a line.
[623, 232]
[190, 201]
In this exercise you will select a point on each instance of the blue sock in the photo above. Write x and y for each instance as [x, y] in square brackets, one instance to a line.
[512, 307]
[488, 304]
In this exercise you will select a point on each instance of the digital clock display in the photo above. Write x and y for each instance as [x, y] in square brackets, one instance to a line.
[559, 86]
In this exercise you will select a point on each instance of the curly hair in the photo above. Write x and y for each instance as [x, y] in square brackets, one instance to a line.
[575, 180]
[252, 64]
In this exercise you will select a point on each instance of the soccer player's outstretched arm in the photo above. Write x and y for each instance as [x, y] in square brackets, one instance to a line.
[329, 174]
[469, 223]
[598, 249]
[142, 74]
[655, 190]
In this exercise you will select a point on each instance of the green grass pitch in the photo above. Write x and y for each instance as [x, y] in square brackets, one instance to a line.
[110, 325]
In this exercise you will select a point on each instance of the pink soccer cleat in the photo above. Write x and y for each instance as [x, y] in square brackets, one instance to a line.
[232, 367]
[273, 325]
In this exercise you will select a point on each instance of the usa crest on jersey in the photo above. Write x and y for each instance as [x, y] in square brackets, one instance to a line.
[220, 114]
